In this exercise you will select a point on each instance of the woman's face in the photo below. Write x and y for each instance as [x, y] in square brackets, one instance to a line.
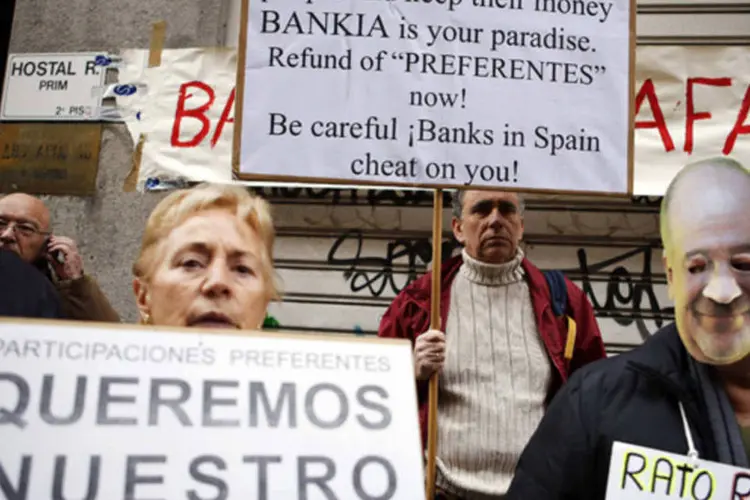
[209, 275]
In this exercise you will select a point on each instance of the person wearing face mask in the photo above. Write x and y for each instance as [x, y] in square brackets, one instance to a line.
[686, 390]
[206, 260]
[501, 353]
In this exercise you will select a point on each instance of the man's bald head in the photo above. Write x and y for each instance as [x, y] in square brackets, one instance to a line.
[24, 224]
[702, 189]
[29, 206]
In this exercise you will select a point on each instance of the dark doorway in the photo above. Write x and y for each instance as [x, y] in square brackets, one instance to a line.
[7, 9]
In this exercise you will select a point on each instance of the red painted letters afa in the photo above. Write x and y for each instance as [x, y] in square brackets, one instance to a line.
[647, 92]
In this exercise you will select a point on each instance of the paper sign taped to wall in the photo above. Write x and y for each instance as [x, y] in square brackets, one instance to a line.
[692, 103]
[637, 472]
[187, 113]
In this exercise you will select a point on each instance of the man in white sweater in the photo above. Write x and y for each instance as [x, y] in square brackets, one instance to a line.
[500, 352]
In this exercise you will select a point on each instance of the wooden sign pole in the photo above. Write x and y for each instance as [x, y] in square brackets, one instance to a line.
[437, 239]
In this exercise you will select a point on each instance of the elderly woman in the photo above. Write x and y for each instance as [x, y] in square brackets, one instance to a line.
[206, 260]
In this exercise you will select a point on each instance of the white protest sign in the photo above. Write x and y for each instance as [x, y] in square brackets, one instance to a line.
[109, 412]
[530, 94]
[637, 472]
[52, 87]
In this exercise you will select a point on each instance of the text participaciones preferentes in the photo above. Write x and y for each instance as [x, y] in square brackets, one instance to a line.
[198, 354]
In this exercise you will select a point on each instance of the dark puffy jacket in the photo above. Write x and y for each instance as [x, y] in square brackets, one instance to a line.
[633, 398]
[24, 291]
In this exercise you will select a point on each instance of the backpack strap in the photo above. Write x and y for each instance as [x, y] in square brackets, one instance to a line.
[558, 289]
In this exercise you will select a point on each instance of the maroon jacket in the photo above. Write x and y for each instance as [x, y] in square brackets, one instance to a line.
[409, 316]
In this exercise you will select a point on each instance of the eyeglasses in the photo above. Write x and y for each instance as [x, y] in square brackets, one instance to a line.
[24, 228]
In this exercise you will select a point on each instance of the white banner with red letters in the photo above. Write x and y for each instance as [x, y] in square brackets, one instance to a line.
[691, 103]
[185, 109]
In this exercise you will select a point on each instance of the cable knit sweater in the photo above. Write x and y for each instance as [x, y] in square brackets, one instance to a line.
[494, 381]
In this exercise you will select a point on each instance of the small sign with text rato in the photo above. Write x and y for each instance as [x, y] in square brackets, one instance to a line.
[52, 87]
[639, 472]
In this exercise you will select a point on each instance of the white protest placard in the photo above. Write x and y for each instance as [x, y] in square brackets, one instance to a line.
[529, 94]
[52, 87]
[637, 472]
[99, 411]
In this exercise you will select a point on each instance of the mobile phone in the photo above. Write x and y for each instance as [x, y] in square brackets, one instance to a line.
[57, 255]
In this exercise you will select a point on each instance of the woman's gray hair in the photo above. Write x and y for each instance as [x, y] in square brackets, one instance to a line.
[457, 201]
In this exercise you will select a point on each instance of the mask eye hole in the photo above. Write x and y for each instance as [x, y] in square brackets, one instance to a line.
[696, 267]
[741, 263]
[696, 264]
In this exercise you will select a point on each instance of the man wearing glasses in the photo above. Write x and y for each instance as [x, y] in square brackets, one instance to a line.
[25, 230]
